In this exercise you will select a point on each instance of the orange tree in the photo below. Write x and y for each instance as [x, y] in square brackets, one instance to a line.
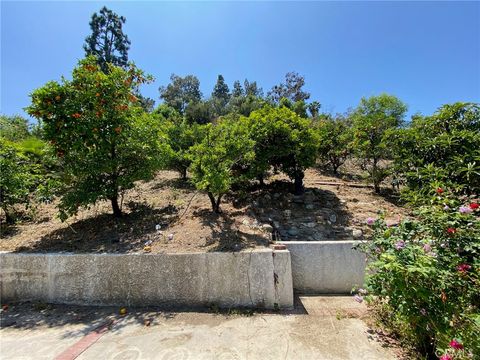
[283, 140]
[99, 132]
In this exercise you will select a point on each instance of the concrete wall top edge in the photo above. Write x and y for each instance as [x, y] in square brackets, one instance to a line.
[327, 242]
[260, 250]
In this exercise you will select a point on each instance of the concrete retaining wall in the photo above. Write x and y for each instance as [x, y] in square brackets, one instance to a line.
[326, 267]
[259, 278]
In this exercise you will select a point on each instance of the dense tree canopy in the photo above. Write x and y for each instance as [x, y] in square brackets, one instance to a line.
[102, 137]
[371, 121]
[181, 92]
[14, 128]
[15, 178]
[291, 89]
[440, 150]
[335, 137]
[180, 135]
[224, 145]
[283, 140]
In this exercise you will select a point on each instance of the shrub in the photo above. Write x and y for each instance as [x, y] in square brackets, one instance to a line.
[441, 150]
[284, 141]
[372, 120]
[334, 146]
[99, 132]
[222, 148]
[424, 275]
[15, 179]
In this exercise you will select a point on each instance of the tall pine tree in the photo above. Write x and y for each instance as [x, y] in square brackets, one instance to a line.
[237, 89]
[221, 90]
[107, 42]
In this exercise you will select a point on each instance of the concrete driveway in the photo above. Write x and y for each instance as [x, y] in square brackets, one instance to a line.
[318, 328]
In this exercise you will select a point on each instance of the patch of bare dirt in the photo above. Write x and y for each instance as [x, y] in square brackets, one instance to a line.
[332, 208]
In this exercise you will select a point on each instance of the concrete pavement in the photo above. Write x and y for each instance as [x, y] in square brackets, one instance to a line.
[318, 328]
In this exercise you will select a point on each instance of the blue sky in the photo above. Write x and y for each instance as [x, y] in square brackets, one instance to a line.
[426, 53]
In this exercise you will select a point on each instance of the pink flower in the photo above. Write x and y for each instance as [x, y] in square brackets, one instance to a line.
[423, 311]
[456, 345]
[446, 207]
[358, 298]
[463, 268]
[400, 245]
[427, 248]
[465, 210]
[370, 221]
[446, 357]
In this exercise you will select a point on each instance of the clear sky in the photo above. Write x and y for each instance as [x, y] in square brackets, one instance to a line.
[426, 53]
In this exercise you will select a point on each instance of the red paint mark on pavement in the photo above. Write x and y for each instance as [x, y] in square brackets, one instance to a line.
[84, 343]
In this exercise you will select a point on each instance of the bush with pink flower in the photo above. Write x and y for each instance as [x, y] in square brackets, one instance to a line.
[424, 278]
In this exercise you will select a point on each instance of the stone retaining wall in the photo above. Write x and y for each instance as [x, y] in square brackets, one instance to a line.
[257, 278]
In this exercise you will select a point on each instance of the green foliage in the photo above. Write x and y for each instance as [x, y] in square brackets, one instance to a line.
[100, 135]
[371, 122]
[15, 178]
[245, 101]
[334, 145]
[214, 159]
[35, 163]
[314, 108]
[245, 105]
[237, 89]
[107, 41]
[441, 150]
[291, 89]
[252, 89]
[13, 128]
[299, 107]
[424, 275]
[200, 112]
[284, 141]
[181, 92]
[181, 136]
[220, 95]
[147, 104]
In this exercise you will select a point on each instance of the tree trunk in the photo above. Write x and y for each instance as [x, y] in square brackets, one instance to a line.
[9, 217]
[183, 173]
[115, 207]
[298, 181]
[376, 183]
[261, 180]
[212, 200]
[335, 168]
[215, 202]
[217, 206]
